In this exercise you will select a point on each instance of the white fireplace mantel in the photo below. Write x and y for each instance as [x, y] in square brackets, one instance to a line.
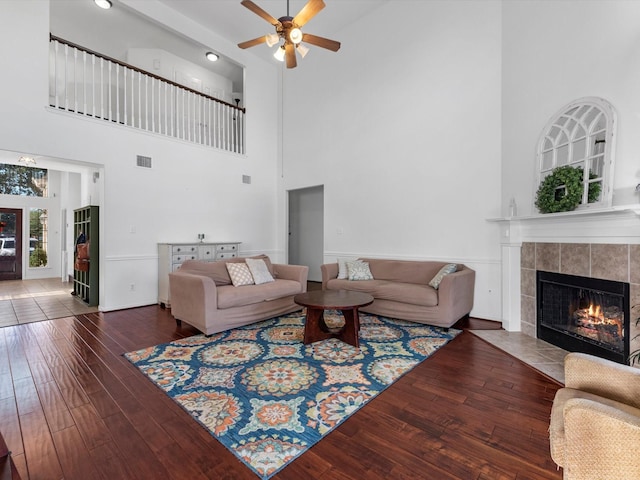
[615, 225]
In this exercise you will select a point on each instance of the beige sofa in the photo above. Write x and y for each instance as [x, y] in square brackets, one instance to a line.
[400, 289]
[203, 296]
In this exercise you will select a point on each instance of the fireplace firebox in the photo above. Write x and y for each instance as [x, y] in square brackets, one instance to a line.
[582, 314]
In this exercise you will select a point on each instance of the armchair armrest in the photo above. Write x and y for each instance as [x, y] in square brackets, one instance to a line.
[299, 273]
[193, 298]
[603, 377]
[456, 292]
[602, 441]
[329, 271]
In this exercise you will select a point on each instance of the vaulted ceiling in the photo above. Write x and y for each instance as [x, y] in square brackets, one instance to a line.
[81, 22]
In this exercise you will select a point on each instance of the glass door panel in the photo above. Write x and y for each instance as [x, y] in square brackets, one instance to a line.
[10, 244]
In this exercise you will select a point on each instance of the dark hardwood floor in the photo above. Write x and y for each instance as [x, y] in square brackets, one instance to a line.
[71, 406]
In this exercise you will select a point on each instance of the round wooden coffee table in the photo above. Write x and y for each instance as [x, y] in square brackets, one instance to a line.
[315, 328]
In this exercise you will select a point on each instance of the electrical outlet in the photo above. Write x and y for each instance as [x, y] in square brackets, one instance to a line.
[132, 287]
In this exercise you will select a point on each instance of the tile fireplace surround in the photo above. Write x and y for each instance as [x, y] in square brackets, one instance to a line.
[598, 244]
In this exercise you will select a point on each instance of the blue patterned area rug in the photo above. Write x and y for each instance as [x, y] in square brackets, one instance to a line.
[267, 397]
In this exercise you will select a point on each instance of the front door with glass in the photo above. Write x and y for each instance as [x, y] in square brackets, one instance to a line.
[10, 244]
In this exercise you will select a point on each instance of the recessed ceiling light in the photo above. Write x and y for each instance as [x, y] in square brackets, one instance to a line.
[106, 4]
[212, 57]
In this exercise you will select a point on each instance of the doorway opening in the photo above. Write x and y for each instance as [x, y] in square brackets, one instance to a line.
[306, 229]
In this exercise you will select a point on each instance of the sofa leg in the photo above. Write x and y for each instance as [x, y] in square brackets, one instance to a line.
[178, 322]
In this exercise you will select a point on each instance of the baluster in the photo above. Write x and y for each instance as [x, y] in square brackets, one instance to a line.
[214, 126]
[139, 100]
[117, 93]
[102, 88]
[55, 73]
[208, 121]
[189, 118]
[66, 70]
[124, 94]
[197, 121]
[227, 122]
[218, 126]
[153, 106]
[146, 102]
[184, 116]
[109, 91]
[93, 85]
[165, 108]
[165, 129]
[242, 133]
[84, 83]
[75, 80]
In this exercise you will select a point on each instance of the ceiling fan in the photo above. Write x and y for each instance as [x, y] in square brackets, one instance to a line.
[288, 29]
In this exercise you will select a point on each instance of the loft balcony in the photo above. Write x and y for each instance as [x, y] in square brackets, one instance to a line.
[93, 85]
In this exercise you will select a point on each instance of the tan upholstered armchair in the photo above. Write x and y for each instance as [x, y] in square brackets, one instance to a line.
[595, 420]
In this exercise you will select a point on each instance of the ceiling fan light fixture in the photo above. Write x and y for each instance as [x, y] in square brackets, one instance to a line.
[279, 53]
[302, 50]
[106, 4]
[27, 160]
[212, 57]
[295, 35]
[272, 39]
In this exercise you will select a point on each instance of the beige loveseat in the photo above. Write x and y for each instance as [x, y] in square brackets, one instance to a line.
[203, 296]
[400, 289]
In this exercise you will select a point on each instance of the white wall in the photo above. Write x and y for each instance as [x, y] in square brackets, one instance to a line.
[190, 189]
[176, 69]
[404, 134]
[556, 52]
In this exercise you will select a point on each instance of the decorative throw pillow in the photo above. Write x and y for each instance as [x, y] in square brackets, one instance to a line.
[444, 271]
[259, 271]
[343, 274]
[359, 270]
[240, 274]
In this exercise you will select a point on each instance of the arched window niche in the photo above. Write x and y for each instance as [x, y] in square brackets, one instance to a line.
[581, 135]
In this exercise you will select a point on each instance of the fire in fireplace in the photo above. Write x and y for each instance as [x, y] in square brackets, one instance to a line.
[582, 314]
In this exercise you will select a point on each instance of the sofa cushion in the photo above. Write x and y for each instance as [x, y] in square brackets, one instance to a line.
[217, 271]
[444, 271]
[408, 271]
[229, 296]
[410, 293]
[342, 267]
[259, 270]
[240, 274]
[264, 257]
[359, 271]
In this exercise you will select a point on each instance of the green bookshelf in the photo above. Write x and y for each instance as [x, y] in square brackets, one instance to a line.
[86, 283]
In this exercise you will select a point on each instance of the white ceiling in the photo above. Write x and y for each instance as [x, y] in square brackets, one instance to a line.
[81, 22]
[233, 21]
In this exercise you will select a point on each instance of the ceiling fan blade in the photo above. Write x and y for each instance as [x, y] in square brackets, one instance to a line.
[254, 42]
[290, 52]
[308, 12]
[260, 12]
[321, 42]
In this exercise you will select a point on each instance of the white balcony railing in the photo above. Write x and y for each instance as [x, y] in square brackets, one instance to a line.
[93, 85]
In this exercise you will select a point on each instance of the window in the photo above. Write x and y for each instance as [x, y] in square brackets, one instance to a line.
[25, 181]
[38, 237]
[581, 135]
